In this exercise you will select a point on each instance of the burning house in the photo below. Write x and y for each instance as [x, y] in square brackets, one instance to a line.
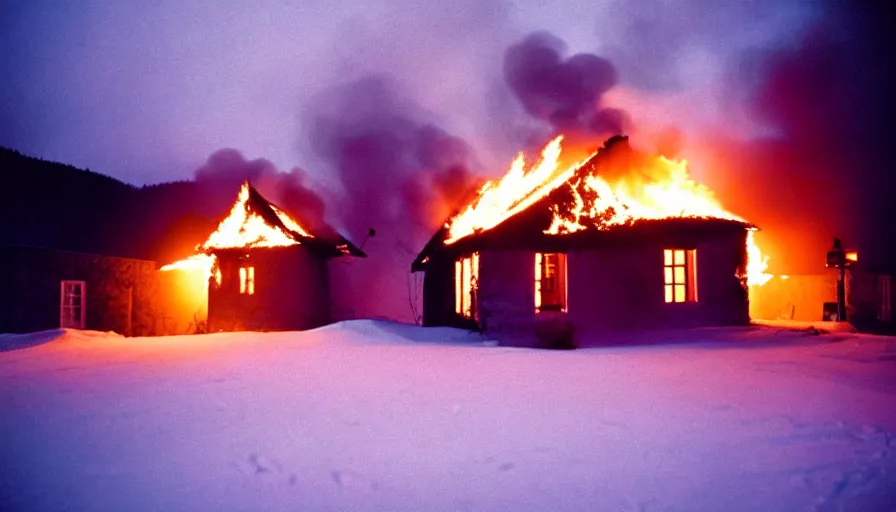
[265, 271]
[566, 250]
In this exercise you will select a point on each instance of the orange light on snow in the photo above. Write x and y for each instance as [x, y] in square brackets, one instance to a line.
[655, 188]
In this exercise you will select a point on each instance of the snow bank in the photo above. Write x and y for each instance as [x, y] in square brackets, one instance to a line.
[380, 416]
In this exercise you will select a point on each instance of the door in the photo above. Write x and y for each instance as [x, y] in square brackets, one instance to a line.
[72, 309]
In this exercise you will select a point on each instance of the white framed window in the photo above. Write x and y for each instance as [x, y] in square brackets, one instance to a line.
[680, 275]
[466, 283]
[550, 281]
[247, 280]
[72, 304]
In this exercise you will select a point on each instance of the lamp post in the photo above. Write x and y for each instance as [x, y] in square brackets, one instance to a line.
[840, 259]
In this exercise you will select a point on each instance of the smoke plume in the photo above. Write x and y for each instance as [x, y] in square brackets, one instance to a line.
[226, 169]
[563, 91]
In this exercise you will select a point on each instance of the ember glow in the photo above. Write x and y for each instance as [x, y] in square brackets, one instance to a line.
[661, 188]
[242, 228]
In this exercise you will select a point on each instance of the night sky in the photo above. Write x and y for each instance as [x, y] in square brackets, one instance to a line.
[782, 107]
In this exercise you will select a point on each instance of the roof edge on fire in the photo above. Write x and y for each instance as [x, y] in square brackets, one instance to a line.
[330, 243]
[437, 241]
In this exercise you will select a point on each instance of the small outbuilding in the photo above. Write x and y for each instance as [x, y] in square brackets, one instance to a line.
[277, 279]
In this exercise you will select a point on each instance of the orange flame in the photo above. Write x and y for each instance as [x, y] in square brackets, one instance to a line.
[242, 228]
[657, 188]
[245, 228]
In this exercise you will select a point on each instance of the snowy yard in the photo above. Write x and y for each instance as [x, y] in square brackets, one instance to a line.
[376, 416]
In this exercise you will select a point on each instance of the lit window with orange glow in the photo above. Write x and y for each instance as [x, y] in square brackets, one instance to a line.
[466, 283]
[247, 280]
[680, 275]
[550, 282]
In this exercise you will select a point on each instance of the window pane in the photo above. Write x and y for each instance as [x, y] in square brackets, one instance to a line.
[679, 293]
[679, 257]
[668, 293]
[668, 275]
[667, 257]
[679, 275]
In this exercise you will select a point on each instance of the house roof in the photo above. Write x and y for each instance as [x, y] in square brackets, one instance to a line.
[324, 239]
[527, 228]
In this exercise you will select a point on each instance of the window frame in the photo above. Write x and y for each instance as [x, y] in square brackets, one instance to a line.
[466, 286]
[247, 280]
[66, 308]
[679, 275]
[558, 279]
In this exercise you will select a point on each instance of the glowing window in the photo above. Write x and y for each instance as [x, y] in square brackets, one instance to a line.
[247, 280]
[466, 284]
[680, 275]
[550, 282]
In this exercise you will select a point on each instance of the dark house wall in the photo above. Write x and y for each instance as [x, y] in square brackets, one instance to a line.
[613, 289]
[120, 293]
[610, 287]
[438, 293]
[507, 294]
[291, 291]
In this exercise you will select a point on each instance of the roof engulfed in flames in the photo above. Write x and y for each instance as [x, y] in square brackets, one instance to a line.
[251, 224]
[647, 188]
[254, 222]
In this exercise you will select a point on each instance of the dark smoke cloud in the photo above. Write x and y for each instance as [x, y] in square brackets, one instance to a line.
[401, 175]
[563, 91]
[396, 166]
[226, 169]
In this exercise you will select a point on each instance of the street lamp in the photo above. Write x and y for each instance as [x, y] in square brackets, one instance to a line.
[840, 259]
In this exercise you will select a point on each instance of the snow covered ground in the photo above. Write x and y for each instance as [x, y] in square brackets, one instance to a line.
[370, 415]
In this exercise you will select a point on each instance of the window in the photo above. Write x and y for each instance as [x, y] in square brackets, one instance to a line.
[72, 302]
[466, 283]
[680, 275]
[247, 280]
[550, 282]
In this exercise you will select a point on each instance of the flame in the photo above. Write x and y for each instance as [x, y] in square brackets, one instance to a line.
[242, 228]
[501, 199]
[654, 188]
[246, 228]
[756, 262]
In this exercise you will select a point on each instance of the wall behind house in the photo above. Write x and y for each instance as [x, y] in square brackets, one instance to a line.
[120, 292]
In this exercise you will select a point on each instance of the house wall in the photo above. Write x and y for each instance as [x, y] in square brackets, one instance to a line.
[120, 293]
[291, 291]
[507, 295]
[438, 293]
[609, 289]
[622, 288]
[798, 297]
[182, 301]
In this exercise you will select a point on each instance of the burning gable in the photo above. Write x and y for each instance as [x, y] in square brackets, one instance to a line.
[265, 270]
[613, 239]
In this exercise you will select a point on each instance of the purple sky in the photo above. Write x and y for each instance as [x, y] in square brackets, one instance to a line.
[146, 91]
